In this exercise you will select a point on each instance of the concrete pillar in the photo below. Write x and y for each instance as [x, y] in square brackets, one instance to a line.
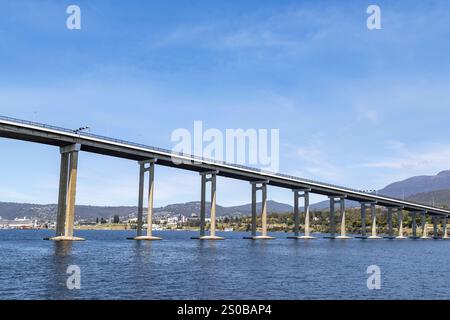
[305, 195]
[389, 221]
[71, 194]
[342, 218]
[424, 226]
[263, 188]
[212, 231]
[203, 206]
[296, 215]
[444, 228]
[151, 190]
[400, 223]
[212, 178]
[306, 207]
[435, 228]
[332, 219]
[150, 195]
[374, 221]
[140, 200]
[253, 210]
[62, 197]
[67, 194]
[264, 210]
[414, 225]
[363, 221]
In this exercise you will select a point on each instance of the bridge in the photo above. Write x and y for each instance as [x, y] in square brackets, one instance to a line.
[72, 142]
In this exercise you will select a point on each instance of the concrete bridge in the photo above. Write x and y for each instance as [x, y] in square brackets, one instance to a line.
[71, 142]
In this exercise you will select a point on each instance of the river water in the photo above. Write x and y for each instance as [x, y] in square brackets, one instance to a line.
[180, 268]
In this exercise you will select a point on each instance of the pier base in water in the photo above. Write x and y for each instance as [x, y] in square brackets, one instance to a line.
[145, 238]
[260, 238]
[302, 237]
[210, 238]
[64, 238]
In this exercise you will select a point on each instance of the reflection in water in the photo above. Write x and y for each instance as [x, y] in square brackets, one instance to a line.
[141, 260]
[63, 248]
[142, 252]
[209, 257]
[208, 246]
[57, 265]
[260, 244]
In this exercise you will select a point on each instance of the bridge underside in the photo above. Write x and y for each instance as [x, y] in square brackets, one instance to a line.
[120, 149]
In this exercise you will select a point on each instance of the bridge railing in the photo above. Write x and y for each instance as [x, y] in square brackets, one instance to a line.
[190, 156]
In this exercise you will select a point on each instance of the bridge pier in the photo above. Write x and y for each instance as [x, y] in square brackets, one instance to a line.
[414, 225]
[67, 194]
[424, 227]
[254, 218]
[435, 228]
[209, 176]
[343, 235]
[259, 186]
[143, 168]
[374, 221]
[296, 215]
[363, 221]
[332, 228]
[400, 224]
[332, 218]
[301, 193]
[389, 222]
[444, 229]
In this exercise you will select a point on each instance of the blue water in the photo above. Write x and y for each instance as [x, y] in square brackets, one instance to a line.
[181, 268]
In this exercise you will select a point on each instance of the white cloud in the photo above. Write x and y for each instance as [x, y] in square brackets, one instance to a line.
[424, 159]
[292, 30]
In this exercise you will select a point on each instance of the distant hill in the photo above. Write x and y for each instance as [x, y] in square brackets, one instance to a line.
[437, 198]
[417, 184]
[188, 208]
[10, 210]
[325, 204]
[48, 212]
[423, 189]
[272, 206]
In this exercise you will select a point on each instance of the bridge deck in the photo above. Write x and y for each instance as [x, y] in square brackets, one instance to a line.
[55, 136]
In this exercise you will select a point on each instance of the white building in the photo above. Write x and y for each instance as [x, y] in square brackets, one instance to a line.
[18, 223]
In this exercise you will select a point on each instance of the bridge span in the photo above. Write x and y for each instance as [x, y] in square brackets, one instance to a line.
[71, 142]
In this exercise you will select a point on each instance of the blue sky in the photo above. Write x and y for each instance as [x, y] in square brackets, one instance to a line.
[354, 107]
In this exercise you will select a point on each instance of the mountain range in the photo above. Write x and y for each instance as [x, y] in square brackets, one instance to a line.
[417, 184]
[430, 190]
[48, 212]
